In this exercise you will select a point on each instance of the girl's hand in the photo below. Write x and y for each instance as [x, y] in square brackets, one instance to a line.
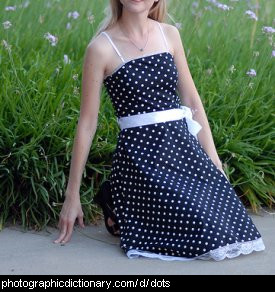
[71, 210]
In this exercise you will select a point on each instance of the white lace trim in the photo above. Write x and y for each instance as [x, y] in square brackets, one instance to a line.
[229, 251]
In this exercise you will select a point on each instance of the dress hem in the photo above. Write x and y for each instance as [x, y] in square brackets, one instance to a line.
[229, 251]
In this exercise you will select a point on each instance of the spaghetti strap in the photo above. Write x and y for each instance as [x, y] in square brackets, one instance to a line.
[114, 46]
[167, 47]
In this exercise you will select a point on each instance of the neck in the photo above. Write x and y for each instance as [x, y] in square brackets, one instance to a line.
[135, 24]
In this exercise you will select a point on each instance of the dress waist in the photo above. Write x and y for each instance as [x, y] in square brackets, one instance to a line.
[161, 116]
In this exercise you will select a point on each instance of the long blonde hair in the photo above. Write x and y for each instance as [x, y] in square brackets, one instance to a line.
[113, 12]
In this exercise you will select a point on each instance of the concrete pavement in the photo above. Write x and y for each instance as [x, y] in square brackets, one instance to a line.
[92, 251]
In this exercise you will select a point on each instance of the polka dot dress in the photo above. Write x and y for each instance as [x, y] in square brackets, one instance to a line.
[171, 201]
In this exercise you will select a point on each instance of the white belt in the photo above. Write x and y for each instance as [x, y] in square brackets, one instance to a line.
[161, 116]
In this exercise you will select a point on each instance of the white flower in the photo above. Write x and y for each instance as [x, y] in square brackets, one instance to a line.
[67, 60]
[232, 69]
[6, 45]
[91, 18]
[75, 76]
[220, 5]
[209, 71]
[224, 6]
[76, 90]
[268, 29]
[68, 26]
[57, 69]
[73, 14]
[10, 8]
[7, 24]
[51, 38]
[251, 14]
[256, 53]
[251, 72]
[273, 53]
[195, 4]
[270, 39]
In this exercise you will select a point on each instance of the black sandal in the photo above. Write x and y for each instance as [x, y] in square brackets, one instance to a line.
[104, 199]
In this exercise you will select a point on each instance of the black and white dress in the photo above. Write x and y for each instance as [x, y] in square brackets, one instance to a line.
[171, 201]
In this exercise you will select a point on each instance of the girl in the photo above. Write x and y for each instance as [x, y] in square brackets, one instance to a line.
[171, 197]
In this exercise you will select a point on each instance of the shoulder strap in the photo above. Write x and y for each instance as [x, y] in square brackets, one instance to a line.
[114, 46]
[167, 47]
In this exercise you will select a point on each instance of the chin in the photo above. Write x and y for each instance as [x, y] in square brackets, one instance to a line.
[136, 5]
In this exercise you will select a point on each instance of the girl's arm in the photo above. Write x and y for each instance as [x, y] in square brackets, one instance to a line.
[190, 97]
[92, 78]
[93, 71]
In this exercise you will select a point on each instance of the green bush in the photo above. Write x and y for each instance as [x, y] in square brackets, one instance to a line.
[40, 101]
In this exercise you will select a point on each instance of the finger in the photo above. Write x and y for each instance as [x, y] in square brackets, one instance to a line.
[60, 222]
[69, 232]
[80, 221]
[62, 233]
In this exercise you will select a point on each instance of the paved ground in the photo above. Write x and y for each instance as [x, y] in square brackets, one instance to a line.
[92, 251]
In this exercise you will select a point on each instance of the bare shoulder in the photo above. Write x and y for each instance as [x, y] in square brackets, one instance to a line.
[96, 48]
[171, 31]
[169, 27]
[96, 56]
[172, 34]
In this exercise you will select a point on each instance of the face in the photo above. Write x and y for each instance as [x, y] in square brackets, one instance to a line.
[137, 5]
